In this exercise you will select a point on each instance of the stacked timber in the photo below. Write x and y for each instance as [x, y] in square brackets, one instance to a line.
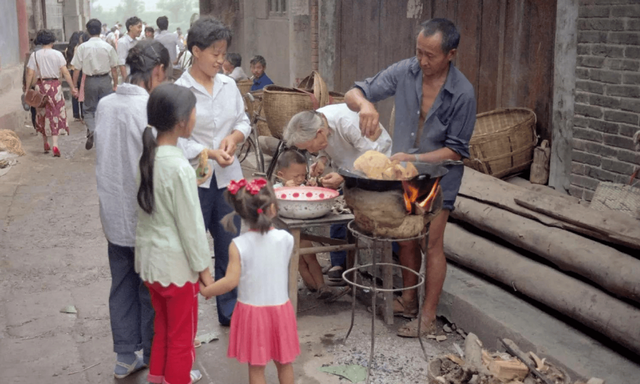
[593, 270]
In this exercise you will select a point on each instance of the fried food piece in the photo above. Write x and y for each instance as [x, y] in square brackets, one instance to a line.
[410, 172]
[373, 164]
[202, 164]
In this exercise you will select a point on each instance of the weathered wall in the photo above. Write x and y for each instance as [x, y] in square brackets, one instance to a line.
[607, 104]
[9, 37]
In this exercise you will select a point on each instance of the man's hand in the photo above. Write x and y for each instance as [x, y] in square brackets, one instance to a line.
[400, 156]
[369, 120]
[221, 157]
[332, 180]
[317, 168]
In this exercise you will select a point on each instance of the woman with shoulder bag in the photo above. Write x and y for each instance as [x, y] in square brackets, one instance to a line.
[45, 67]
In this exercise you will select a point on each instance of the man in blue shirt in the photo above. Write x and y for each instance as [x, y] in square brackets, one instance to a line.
[435, 116]
[260, 79]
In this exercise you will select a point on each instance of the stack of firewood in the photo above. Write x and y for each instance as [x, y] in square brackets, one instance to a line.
[552, 248]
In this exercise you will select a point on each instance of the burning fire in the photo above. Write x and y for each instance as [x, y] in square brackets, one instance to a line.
[412, 194]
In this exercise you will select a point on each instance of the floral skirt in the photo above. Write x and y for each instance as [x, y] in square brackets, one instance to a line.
[261, 334]
[53, 116]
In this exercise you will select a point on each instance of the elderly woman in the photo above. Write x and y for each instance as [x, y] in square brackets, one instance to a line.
[45, 67]
[333, 133]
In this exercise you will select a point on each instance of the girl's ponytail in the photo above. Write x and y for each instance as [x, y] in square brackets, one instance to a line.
[145, 193]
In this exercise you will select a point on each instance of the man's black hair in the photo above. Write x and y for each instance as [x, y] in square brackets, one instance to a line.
[133, 20]
[149, 29]
[450, 34]
[163, 23]
[206, 31]
[94, 27]
[257, 59]
[235, 59]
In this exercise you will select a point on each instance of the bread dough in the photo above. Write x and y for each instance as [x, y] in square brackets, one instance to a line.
[376, 165]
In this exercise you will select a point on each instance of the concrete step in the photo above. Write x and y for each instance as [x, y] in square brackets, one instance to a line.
[491, 312]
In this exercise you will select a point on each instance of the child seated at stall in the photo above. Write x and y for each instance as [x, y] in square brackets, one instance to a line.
[292, 172]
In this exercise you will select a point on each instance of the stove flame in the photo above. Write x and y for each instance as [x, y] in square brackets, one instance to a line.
[412, 194]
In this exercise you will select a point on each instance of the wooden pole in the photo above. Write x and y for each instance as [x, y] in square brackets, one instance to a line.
[567, 295]
[611, 269]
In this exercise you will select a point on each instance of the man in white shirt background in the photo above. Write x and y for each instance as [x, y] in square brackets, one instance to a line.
[95, 58]
[171, 41]
[128, 41]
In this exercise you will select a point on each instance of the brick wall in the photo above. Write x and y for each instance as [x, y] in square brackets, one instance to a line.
[607, 109]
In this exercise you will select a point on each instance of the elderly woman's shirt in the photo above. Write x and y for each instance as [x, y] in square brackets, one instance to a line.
[346, 142]
[217, 116]
[449, 122]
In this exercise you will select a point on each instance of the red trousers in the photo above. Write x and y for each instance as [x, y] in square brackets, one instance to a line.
[175, 326]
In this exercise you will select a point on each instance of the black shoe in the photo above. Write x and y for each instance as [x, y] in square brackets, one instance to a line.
[335, 273]
[89, 143]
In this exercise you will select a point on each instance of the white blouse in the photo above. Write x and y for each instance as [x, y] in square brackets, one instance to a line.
[49, 61]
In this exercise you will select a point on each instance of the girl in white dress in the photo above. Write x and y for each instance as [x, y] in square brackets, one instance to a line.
[263, 325]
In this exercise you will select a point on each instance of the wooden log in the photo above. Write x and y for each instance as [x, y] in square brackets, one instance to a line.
[611, 269]
[614, 225]
[488, 189]
[572, 297]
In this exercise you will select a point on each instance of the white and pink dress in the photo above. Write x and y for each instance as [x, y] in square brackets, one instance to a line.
[263, 325]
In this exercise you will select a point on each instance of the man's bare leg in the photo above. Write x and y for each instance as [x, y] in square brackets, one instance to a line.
[409, 254]
[436, 267]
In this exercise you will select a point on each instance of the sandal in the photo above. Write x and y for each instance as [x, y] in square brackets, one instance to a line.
[196, 343]
[195, 375]
[411, 329]
[400, 309]
[335, 273]
[331, 294]
[137, 365]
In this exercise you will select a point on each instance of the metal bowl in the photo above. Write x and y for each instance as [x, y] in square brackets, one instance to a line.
[305, 202]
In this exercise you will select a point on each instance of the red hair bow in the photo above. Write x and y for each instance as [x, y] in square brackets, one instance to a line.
[235, 186]
[256, 185]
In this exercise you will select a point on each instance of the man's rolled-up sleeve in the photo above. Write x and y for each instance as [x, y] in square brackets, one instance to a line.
[461, 127]
[382, 85]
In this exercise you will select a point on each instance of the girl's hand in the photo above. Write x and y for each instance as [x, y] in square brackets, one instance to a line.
[202, 180]
[316, 169]
[221, 157]
[332, 180]
[203, 290]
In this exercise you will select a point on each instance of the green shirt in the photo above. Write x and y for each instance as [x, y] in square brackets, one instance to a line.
[171, 243]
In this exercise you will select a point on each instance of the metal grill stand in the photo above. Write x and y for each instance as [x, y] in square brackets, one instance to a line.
[376, 246]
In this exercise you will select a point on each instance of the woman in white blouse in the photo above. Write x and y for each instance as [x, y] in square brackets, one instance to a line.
[45, 67]
[221, 124]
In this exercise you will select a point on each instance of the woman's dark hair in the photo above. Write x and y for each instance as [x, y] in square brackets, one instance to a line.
[94, 27]
[206, 31]
[45, 37]
[168, 105]
[74, 41]
[251, 208]
[143, 57]
[450, 34]
[235, 59]
[133, 20]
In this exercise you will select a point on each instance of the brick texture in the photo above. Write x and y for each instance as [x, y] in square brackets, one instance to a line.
[607, 97]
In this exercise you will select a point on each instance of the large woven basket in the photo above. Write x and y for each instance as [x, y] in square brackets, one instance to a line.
[244, 86]
[280, 104]
[503, 141]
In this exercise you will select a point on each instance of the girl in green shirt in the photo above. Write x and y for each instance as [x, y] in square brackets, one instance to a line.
[172, 252]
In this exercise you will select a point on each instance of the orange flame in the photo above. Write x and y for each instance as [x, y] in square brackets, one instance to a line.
[411, 196]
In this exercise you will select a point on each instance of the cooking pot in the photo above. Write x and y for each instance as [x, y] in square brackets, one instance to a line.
[428, 173]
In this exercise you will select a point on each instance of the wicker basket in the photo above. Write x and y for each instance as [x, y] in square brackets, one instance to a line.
[280, 104]
[503, 141]
[336, 97]
[244, 86]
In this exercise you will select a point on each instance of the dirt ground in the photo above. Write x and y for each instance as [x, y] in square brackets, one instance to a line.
[53, 254]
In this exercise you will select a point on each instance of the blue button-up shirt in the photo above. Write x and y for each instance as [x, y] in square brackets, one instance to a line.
[261, 82]
[449, 123]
